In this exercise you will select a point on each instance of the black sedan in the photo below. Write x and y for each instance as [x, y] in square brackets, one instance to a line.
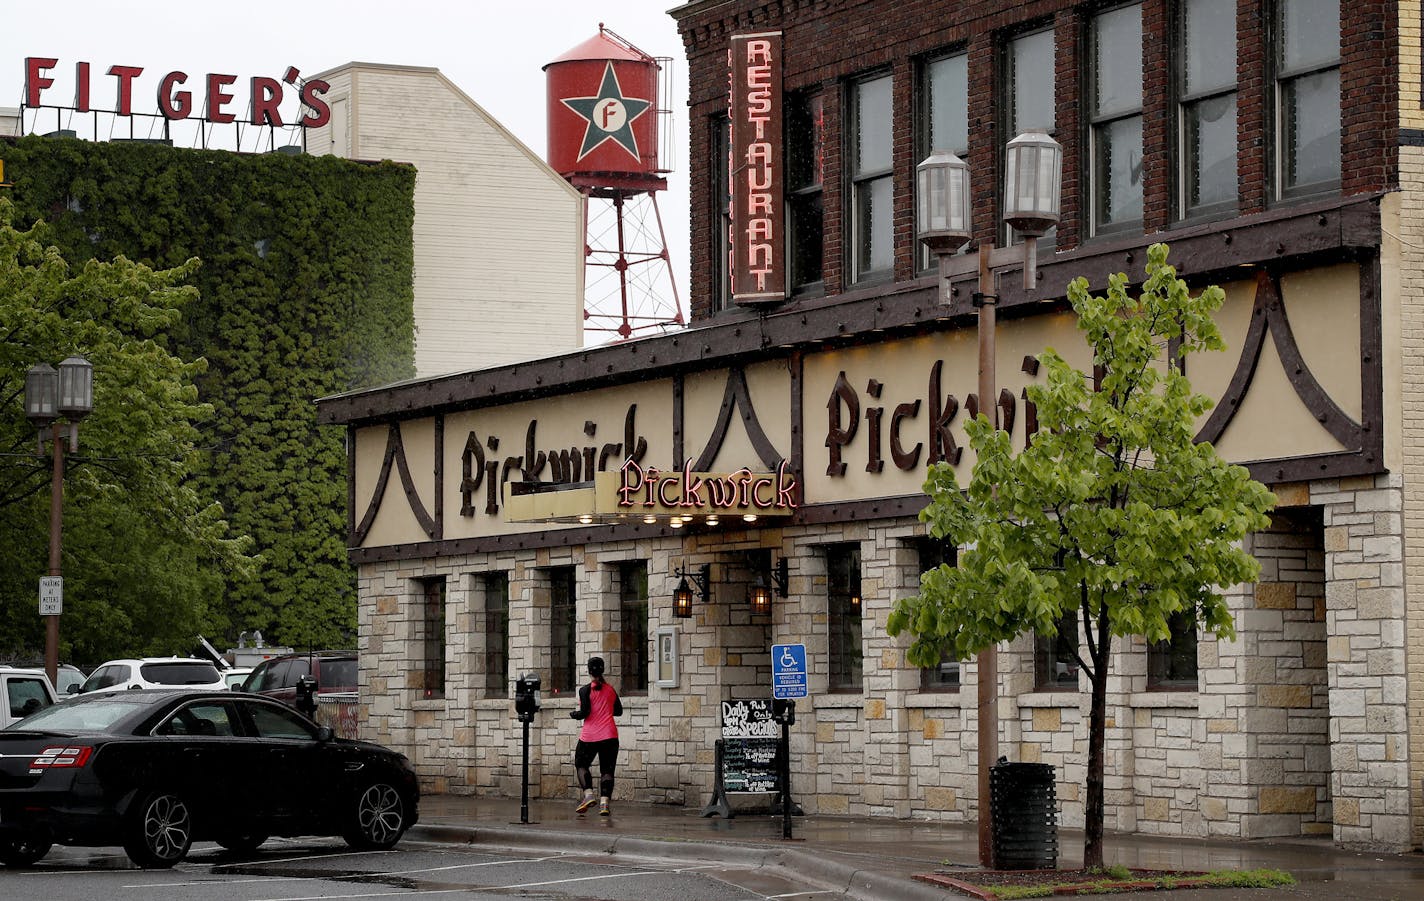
[155, 770]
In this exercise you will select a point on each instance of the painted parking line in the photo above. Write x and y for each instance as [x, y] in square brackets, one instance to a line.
[337, 875]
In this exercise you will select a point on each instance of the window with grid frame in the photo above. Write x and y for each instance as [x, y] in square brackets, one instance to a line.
[943, 120]
[633, 626]
[1115, 120]
[843, 621]
[563, 635]
[805, 174]
[432, 594]
[495, 589]
[1055, 657]
[1205, 72]
[1305, 58]
[1030, 99]
[1172, 662]
[872, 194]
[934, 552]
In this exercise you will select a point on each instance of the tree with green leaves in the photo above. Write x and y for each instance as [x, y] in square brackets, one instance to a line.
[1111, 516]
[145, 560]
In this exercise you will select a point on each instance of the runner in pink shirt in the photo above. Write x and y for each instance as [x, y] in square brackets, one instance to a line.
[598, 705]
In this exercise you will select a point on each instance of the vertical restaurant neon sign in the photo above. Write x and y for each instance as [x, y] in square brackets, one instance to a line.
[758, 264]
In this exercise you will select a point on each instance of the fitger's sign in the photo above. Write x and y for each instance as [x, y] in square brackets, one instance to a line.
[176, 102]
[758, 264]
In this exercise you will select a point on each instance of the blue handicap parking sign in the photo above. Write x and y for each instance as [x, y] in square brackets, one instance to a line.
[788, 671]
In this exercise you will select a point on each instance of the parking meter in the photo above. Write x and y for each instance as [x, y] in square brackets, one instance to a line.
[526, 697]
[306, 695]
[783, 710]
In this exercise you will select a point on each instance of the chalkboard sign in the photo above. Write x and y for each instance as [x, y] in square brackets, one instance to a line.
[746, 754]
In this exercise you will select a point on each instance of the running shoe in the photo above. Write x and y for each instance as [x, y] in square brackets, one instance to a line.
[602, 808]
[585, 804]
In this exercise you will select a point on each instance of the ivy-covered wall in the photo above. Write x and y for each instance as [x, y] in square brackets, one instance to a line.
[306, 290]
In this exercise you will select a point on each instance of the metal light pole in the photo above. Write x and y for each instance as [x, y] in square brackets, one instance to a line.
[52, 396]
[943, 215]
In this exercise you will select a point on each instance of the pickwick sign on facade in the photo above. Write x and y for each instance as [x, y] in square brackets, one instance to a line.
[176, 101]
[757, 214]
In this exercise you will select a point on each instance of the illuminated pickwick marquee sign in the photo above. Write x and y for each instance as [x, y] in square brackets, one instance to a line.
[211, 98]
[757, 239]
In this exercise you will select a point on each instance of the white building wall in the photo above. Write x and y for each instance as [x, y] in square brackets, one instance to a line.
[498, 234]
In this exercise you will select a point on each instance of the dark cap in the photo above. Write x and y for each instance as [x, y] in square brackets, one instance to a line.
[595, 666]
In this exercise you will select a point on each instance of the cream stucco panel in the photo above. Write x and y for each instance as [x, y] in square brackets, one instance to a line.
[769, 388]
[395, 521]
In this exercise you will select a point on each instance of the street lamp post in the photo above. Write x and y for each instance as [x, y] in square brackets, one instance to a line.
[54, 399]
[1033, 167]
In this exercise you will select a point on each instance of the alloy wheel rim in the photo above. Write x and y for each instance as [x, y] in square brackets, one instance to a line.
[380, 813]
[166, 826]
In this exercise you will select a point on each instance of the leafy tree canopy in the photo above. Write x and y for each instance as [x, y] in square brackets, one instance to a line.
[1111, 512]
[144, 559]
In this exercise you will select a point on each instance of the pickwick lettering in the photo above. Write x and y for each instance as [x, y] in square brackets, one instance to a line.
[565, 465]
[265, 94]
[651, 487]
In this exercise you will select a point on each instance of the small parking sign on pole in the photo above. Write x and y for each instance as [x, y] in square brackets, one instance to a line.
[51, 595]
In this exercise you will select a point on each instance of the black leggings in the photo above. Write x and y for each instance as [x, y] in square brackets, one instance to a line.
[607, 753]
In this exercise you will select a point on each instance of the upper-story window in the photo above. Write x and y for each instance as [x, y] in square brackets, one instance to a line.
[1305, 55]
[943, 121]
[1029, 90]
[721, 178]
[1115, 120]
[805, 170]
[1206, 107]
[871, 177]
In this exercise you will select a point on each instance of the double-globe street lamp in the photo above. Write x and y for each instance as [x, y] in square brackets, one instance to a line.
[57, 398]
[943, 218]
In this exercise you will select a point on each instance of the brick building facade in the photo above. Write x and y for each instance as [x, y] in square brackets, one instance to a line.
[1290, 178]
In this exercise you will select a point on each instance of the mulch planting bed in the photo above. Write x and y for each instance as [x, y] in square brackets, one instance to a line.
[983, 883]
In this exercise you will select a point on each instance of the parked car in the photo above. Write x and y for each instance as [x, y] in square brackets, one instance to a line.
[69, 680]
[136, 769]
[234, 676]
[23, 692]
[154, 672]
[334, 671]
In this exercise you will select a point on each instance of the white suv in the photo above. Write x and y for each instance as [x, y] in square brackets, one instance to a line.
[155, 672]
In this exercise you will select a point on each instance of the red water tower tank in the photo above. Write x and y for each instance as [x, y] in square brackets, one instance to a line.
[603, 115]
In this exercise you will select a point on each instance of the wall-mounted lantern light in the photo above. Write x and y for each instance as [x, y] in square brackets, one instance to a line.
[682, 595]
[773, 579]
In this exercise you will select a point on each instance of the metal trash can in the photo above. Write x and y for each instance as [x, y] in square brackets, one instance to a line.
[1025, 807]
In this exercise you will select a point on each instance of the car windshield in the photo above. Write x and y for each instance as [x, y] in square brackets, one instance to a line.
[180, 673]
[89, 716]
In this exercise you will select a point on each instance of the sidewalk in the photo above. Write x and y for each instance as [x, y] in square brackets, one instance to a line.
[877, 858]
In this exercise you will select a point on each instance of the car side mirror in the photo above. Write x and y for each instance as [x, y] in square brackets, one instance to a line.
[325, 734]
[72, 690]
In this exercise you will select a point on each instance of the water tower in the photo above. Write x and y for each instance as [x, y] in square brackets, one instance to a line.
[604, 131]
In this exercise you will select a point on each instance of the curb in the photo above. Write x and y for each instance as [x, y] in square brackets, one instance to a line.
[823, 868]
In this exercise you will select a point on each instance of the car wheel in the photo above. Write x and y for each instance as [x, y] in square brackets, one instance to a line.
[159, 831]
[242, 842]
[378, 819]
[22, 852]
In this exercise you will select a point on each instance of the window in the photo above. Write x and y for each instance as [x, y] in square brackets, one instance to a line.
[433, 637]
[805, 171]
[278, 722]
[1115, 120]
[1029, 88]
[871, 177]
[1306, 58]
[1206, 107]
[943, 122]
[563, 602]
[496, 668]
[722, 226]
[843, 603]
[1172, 663]
[25, 696]
[1055, 657]
[633, 626]
[945, 677]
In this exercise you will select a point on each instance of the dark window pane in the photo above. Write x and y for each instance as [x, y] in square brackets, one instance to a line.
[843, 603]
[1311, 107]
[721, 228]
[1117, 172]
[633, 620]
[496, 593]
[806, 238]
[434, 637]
[805, 149]
[1211, 148]
[563, 673]
[1173, 663]
[1055, 659]
[945, 676]
[1209, 45]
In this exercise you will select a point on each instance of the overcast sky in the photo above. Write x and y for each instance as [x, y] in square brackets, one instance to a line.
[494, 51]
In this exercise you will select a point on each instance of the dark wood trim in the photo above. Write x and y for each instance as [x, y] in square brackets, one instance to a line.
[1372, 362]
[737, 397]
[395, 454]
[439, 520]
[1230, 401]
[1291, 237]
[678, 416]
[351, 485]
[1328, 413]
[797, 366]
